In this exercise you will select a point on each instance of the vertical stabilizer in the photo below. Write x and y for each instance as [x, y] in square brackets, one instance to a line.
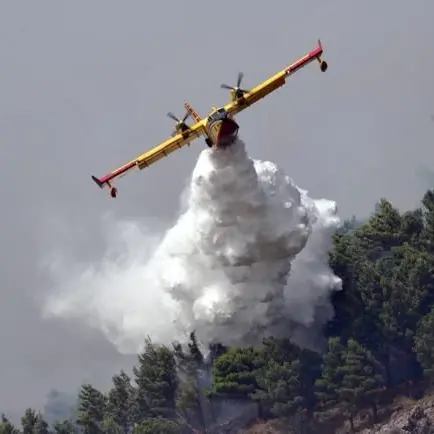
[194, 114]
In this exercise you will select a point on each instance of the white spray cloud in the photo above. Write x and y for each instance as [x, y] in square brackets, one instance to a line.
[248, 257]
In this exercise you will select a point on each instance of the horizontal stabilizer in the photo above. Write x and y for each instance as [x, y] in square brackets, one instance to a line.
[97, 182]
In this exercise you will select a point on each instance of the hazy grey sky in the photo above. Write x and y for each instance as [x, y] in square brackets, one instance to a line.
[85, 86]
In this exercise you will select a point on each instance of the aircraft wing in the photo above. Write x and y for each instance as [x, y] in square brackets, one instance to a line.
[276, 81]
[152, 156]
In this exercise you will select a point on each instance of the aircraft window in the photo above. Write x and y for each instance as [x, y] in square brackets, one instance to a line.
[217, 115]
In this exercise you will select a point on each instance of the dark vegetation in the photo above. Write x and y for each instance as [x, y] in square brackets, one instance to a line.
[380, 345]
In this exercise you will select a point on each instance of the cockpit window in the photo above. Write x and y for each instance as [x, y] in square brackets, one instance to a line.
[217, 115]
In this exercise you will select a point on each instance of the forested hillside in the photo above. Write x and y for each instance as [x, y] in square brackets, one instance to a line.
[380, 345]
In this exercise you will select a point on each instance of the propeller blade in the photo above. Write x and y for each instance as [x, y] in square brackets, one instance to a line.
[240, 78]
[237, 88]
[172, 116]
[226, 86]
[187, 114]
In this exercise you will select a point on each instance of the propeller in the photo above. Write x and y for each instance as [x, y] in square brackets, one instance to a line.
[180, 123]
[237, 90]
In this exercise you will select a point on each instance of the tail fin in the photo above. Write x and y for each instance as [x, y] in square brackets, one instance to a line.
[101, 183]
[192, 112]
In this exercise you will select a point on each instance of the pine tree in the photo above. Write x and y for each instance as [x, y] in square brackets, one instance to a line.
[120, 403]
[65, 427]
[157, 382]
[109, 425]
[351, 377]
[28, 421]
[234, 372]
[424, 344]
[327, 386]
[428, 235]
[190, 363]
[6, 426]
[286, 387]
[91, 408]
[41, 426]
[382, 231]
[280, 388]
[362, 381]
[412, 227]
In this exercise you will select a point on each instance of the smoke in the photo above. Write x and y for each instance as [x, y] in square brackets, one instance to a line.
[248, 257]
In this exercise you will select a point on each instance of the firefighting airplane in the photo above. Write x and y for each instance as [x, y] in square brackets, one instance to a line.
[219, 127]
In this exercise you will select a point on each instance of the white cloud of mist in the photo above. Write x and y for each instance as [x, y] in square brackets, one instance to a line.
[247, 257]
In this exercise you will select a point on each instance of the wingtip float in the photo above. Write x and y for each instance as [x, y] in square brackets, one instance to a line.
[219, 128]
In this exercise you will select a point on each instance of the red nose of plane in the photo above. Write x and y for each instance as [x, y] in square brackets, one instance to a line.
[228, 133]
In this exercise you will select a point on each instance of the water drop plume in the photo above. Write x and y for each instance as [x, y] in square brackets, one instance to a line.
[248, 257]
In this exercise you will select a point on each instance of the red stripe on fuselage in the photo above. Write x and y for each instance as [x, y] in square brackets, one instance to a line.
[306, 59]
[117, 172]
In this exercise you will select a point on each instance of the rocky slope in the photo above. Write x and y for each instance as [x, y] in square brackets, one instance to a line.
[405, 417]
[418, 419]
